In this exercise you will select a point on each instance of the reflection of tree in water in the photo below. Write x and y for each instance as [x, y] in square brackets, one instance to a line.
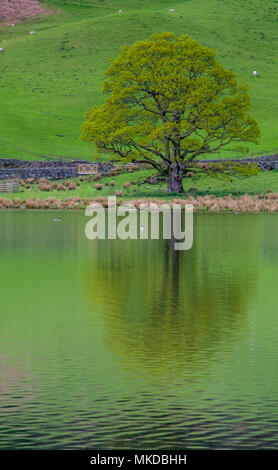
[169, 310]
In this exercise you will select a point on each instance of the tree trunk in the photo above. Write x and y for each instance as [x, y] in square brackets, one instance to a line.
[174, 180]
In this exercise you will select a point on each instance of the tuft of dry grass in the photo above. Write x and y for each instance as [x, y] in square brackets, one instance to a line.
[44, 186]
[71, 185]
[30, 180]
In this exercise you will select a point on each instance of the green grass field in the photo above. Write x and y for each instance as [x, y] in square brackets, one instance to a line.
[266, 181]
[48, 80]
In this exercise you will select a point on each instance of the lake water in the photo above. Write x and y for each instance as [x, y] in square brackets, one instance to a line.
[131, 344]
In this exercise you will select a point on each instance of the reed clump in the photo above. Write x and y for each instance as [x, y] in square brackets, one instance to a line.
[45, 186]
[242, 204]
[70, 185]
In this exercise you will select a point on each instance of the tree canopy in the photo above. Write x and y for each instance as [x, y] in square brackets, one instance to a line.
[169, 102]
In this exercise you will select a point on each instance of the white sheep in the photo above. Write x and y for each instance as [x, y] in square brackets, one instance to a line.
[32, 32]
[255, 73]
[1, 49]
[121, 11]
[172, 10]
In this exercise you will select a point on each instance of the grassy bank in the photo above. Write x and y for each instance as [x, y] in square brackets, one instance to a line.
[131, 186]
[49, 79]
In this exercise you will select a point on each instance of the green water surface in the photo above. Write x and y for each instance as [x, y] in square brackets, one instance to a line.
[111, 344]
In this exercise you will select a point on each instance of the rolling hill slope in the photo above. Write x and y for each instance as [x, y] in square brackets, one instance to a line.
[49, 79]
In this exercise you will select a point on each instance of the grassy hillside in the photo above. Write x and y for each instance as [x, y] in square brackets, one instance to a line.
[49, 79]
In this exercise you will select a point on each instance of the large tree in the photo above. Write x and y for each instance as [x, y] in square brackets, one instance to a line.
[168, 103]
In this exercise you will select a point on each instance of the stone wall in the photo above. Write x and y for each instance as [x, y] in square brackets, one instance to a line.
[265, 163]
[12, 168]
[60, 169]
[49, 173]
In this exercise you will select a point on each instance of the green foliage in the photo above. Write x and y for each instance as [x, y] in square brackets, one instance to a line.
[169, 102]
[250, 169]
[227, 170]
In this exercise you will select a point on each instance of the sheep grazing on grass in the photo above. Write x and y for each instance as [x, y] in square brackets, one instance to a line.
[32, 32]
[172, 10]
[255, 73]
[1, 49]
[121, 11]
